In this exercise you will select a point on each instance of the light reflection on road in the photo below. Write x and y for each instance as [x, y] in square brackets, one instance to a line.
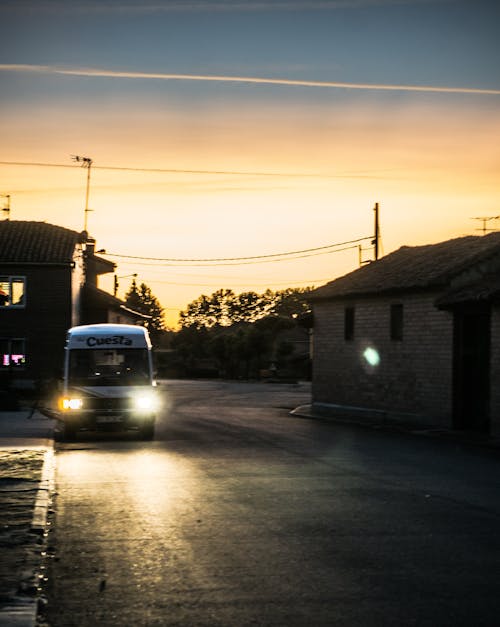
[159, 482]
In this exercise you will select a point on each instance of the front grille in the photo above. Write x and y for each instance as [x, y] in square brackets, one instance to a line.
[106, 404]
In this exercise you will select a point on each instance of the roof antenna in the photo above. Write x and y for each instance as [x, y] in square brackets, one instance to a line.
[484, 220]
[6, 208]
[86, 163]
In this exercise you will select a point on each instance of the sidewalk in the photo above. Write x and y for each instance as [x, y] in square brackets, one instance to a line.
[26, 485]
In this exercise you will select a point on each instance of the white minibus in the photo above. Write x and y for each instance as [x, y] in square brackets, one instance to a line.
[108, 380]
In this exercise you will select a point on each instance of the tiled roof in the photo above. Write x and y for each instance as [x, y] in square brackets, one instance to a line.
[414, 267]
[487, 288]
[36, 242]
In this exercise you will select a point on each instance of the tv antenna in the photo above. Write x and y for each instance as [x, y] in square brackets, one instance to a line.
[86, 162]
[6, 207]
[485, 220]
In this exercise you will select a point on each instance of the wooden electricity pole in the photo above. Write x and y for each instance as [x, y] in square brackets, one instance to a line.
[376, 236]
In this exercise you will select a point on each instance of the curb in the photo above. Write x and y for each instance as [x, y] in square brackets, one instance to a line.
[23, 610]
[375, 420]
[44, 494]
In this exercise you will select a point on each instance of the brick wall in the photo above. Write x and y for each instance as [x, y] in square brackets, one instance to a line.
[414, 375]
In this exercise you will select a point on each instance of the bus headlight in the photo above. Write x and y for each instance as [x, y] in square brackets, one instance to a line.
[145, 402]
[71, 403]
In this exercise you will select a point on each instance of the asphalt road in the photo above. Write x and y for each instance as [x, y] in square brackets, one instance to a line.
[240, 514]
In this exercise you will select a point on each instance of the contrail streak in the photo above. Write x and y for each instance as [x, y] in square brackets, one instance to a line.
[100, 73]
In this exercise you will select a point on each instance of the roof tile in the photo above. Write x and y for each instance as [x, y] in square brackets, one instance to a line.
[413, 267]
[36, 242]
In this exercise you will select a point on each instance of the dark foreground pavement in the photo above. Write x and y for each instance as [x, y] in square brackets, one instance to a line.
[26, 480]
[26, 477]
[240, 514]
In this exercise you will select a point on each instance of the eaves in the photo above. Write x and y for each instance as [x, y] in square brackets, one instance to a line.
[383, 293]
[39, 264]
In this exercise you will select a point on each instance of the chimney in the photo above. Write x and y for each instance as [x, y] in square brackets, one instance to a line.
[90, 266]
[90, 246]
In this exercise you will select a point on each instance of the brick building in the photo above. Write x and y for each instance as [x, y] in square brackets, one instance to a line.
[48, 283]
[416, 333]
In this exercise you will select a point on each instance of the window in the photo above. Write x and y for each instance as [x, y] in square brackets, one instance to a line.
[12, 353]
[117, 366]
[349, 323]
[397, 322]
[12, 291]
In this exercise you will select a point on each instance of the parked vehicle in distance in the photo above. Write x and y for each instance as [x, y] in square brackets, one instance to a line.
[108, 380]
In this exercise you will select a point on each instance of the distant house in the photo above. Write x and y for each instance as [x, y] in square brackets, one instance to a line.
[48, 283]
[416, 333]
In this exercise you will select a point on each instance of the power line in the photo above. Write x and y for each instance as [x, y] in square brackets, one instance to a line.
[254, 257]
[228, 281]
[193, 171]
[239, 263]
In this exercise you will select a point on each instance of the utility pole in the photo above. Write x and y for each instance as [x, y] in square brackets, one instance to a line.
[484, 220]
[6, 208]
[375, 242]
[376, 235]
[86, 163]
[116, 284]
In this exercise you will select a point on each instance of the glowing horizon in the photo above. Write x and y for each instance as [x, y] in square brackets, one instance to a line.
[275, 128]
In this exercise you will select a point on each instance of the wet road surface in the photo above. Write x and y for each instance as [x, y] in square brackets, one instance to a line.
[240, 514]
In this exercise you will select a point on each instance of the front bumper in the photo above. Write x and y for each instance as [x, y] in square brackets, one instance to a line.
[93, 420]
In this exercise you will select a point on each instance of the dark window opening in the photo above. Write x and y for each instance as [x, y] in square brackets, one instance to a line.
[349, 323]
[397, 322]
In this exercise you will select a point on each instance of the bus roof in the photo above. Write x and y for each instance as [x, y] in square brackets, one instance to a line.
[102, 336]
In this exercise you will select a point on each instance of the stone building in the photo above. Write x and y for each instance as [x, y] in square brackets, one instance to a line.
[414, 334]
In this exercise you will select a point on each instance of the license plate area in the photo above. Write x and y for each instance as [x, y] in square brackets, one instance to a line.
[108, 419]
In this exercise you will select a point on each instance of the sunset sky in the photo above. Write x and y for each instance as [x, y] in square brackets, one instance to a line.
[235, 129]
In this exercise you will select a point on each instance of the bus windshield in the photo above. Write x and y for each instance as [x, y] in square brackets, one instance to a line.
[109, 367]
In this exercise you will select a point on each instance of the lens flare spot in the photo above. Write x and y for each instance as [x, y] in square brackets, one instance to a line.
[372, 356]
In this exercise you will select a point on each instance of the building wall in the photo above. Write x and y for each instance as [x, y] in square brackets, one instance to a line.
[413, 375]
[495, 372]
[42, 322]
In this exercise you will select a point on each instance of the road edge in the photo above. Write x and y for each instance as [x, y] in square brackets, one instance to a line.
[23, 612]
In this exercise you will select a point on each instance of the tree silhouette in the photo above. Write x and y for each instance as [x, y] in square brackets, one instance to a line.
[142, 299]
[242, 336]
[224, 307]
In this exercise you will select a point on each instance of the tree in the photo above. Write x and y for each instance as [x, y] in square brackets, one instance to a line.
[190, 344]
[291, 302]
[142, 299]
[247, 307]
[240, 335]
[209, 311]
[224, 308]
